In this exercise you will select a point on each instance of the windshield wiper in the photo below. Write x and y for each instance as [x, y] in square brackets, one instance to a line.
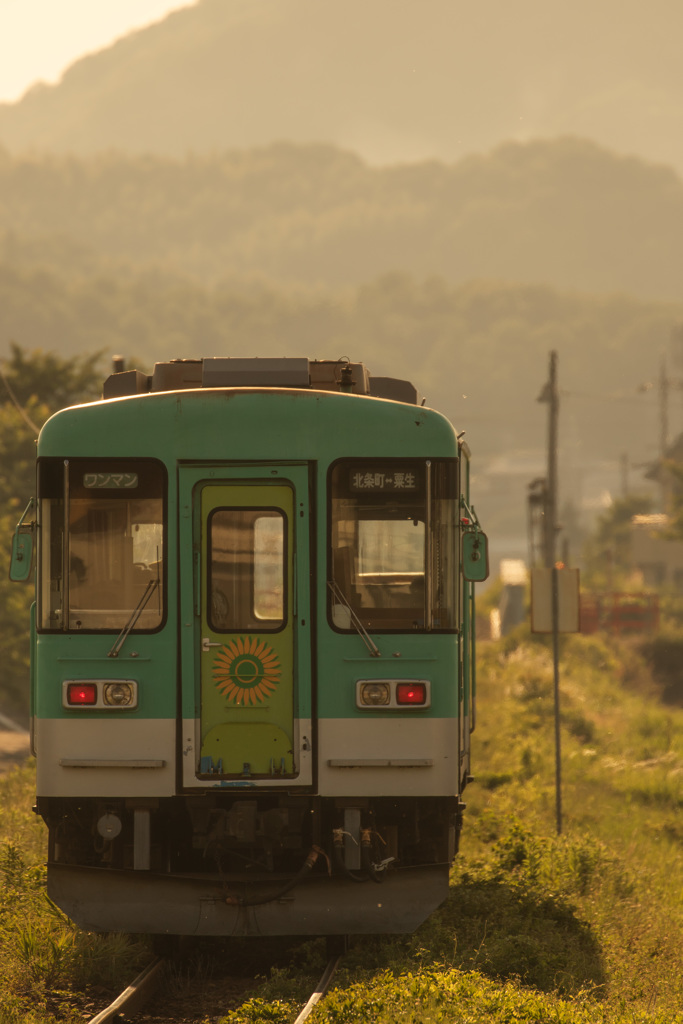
[339, 595]
[136, 613]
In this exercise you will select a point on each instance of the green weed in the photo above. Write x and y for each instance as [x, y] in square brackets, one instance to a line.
[585, 927]
[45, 960]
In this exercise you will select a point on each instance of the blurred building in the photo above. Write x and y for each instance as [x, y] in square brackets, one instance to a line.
[511, 608]
[655, 555]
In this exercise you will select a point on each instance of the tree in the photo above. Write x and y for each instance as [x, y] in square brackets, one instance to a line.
[33, 385]
[608, 552]
[48, 378]
[674, 469]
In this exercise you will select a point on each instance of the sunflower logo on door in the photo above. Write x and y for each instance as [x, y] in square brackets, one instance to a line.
[247, 670]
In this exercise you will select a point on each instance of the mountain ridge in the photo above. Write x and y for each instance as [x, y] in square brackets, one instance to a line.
[389, 79]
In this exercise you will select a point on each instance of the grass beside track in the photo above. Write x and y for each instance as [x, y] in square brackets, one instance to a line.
[46, 962]
[580, 928]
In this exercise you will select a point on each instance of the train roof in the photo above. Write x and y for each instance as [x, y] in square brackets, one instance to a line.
[322, 409]
[240, 372]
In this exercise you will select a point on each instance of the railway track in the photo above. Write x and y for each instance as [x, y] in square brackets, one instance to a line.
[142, 990]
[134, 996]
[320, 989]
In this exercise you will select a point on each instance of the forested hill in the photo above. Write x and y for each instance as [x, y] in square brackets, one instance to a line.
[565, 213]
[478, 352]
[390, 79]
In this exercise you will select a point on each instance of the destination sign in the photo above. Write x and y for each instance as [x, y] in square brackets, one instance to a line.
[110, 481]
[382, 480]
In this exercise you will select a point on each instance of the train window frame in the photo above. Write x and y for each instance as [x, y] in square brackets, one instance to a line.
[259, 624]
[438, 481]
[59, 474]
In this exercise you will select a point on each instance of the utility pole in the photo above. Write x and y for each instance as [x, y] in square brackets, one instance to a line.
[550, 394]
[624, 465]
[664, 385]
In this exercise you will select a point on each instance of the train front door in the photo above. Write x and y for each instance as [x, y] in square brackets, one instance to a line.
[250, 680]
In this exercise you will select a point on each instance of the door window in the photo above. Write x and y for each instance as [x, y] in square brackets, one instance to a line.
[246, 575]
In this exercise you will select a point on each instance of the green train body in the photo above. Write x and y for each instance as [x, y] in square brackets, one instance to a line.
[252, 650]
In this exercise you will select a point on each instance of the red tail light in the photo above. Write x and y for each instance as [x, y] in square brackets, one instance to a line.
[411, 693]
[81, 693]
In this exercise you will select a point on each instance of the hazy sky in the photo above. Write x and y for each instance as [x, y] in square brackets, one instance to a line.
[40, 38]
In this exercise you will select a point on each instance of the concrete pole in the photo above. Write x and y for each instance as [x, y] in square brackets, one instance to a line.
[664, 384]
[553, 399]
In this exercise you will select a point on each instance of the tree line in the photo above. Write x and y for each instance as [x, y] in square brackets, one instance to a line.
[563, 212]
[477, 351]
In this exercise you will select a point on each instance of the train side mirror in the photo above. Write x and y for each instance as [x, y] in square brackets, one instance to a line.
[475, 556]
[22, 557]
[22, 549]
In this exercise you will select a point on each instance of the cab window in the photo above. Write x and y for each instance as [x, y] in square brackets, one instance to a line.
[109, 562]
[393, 543]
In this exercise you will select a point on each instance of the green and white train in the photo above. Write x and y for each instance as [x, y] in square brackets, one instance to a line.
[253, 673]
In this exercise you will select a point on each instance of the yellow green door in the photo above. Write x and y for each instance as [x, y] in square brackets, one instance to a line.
[246, 617]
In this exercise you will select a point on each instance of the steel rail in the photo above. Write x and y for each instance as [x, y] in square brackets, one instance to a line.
[137, 993]
[320, 991]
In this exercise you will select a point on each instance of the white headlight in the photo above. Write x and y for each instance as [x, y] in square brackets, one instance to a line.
[374, 694]
[120, 695]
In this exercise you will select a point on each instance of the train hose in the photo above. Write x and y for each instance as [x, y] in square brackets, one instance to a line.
[366, 858]
[369, 869]
[338, 857]
[303, 871]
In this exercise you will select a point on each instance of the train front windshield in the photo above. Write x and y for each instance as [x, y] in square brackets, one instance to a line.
[108, 564]
[393, 544]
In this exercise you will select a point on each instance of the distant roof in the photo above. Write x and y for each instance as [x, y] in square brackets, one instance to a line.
[513, 571]
[653, 520]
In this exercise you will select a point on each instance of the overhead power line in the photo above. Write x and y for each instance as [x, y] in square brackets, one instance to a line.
[22, 412]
